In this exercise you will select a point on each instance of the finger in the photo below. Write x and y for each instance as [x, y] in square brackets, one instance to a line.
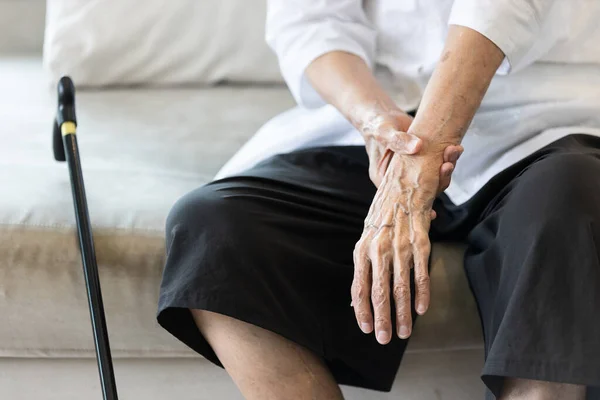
[445, 176]
[421, 251]
[379, 169]
[433, 215]
[446, 169]
[380, 290]
[375, 151]
[375, 176]
[402, 142]
[402, 293]
[452, 153]
[459, 150]
[361, 288]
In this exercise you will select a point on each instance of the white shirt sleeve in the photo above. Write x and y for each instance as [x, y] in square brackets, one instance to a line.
[299, 31]
[522, 29]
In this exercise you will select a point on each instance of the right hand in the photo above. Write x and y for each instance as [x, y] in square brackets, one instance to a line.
[395, 239]
[386, 133]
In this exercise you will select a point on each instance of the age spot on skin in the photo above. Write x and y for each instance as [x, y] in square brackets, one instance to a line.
[446, 56]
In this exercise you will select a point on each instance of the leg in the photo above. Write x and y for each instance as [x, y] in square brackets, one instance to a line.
[534, 267]
[263, 364]
[267, 256]
[524, 389]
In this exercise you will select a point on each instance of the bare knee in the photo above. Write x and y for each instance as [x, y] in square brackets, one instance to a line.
[525, 389]
[265, 365]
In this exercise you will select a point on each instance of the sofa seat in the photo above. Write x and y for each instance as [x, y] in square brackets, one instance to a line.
[141, 148]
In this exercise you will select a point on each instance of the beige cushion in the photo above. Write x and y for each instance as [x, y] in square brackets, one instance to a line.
[22, 26]
[422, 376]
[141, 150]
[158, 42]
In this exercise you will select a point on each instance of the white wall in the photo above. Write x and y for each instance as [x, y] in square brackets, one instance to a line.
[22, 26]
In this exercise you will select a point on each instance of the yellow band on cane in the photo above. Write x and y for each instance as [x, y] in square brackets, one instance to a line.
[68, 128]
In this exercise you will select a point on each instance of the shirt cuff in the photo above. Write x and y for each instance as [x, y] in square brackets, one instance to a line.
[512, 26]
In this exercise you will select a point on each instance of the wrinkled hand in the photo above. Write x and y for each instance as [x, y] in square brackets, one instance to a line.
[385, 134]
[394, 239]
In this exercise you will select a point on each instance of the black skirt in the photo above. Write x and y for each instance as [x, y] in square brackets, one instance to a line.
[273, 247]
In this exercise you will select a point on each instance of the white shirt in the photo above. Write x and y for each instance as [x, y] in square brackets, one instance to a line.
[547, 87]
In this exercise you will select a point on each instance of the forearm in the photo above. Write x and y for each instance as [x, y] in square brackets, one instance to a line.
[457, 87]
[346, 82]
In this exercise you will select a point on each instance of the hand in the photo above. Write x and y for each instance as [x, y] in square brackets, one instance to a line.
[386, 133]
[394, 239]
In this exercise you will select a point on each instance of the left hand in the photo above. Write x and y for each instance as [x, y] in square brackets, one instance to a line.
[396, 236]
[386, 134]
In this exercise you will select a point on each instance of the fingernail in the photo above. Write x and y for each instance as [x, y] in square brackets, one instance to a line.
[383, 337]
[404, 332]
[366, 327]
[421, 309]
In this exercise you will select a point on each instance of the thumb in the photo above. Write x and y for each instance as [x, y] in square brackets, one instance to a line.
[403, 142]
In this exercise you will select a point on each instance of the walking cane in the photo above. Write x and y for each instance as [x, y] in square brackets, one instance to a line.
[65, 149]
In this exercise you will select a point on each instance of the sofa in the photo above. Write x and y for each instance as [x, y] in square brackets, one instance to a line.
[142, 148]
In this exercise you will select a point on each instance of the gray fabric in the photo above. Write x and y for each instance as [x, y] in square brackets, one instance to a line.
[22, 26]
[449, 376]
[141, 150]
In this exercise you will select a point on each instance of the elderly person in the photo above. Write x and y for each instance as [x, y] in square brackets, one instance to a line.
[334, 203]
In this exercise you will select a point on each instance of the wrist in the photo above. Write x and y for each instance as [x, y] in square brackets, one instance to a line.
[368, 114]
[436, 138]
[420, 172]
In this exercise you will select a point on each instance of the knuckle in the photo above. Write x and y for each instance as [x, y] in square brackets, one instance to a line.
[422, 281]
[426, 244]
[382, 320]
[373, 175]
[359, 250]
[423, 244]
[358, 292]
[383, 245]
[356, 257]
[359, 245]
[401, 292]
[379, 246]
[419, 242]
[378, 295]
[363, 316]
[372, 171]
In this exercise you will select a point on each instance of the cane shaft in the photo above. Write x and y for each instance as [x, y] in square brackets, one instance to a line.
[90, 267]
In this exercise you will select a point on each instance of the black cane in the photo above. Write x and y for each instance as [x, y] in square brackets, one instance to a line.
[65, 149]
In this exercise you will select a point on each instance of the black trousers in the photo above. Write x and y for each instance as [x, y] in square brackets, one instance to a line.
[273, 247]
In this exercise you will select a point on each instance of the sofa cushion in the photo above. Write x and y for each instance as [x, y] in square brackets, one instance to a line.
[158, 42]
[141, 150]
[16, 35]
